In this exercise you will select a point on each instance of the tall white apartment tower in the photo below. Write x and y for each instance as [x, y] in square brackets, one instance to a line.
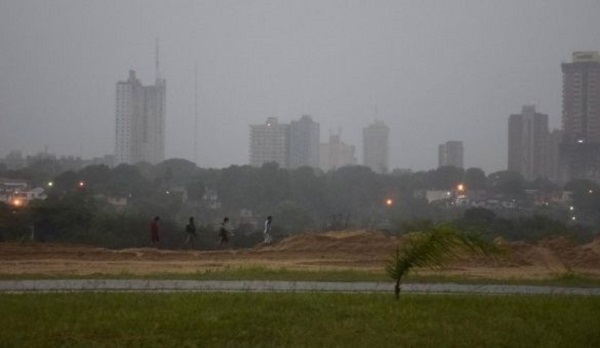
[304, 143]
[269, 142]
[140, 121]
[376, 147]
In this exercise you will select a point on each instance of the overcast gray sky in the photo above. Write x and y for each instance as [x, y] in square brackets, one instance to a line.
[433, 71]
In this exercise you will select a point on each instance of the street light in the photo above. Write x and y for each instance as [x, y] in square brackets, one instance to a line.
[389, 202]
[17, 202]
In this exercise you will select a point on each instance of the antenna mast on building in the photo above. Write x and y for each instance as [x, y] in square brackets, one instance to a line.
[196, 113]
[157, 66]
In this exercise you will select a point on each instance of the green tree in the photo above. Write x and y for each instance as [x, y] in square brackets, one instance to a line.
[354, 191]
[238, 187]
[65, 218]
[475, 179]
[174, 171]
[586, 201]
[292, 216]
[507, 183]
[446, 178]
[308, 190]
[126, 181]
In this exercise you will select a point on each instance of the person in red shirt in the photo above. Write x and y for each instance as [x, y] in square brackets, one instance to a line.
[154, 231]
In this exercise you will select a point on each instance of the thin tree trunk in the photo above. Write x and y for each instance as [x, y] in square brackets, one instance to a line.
[397, 289]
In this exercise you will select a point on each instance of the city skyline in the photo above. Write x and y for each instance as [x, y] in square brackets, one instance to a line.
[344, 63]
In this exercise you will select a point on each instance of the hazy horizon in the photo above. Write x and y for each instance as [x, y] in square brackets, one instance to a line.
[433, 71]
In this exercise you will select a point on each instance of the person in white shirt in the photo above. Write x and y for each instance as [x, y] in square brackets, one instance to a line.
[267, 231]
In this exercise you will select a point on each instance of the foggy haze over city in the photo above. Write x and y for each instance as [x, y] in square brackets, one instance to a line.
[433, 71]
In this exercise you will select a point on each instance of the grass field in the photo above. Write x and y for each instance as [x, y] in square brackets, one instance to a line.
[296, 319]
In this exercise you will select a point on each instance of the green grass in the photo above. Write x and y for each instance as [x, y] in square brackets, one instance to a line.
[296, 320]
[260, 273]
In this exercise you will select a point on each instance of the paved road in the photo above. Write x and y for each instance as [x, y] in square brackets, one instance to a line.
[276, 286]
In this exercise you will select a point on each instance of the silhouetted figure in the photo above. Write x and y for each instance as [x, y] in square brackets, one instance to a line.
[267, 231]
[154, 231]
[190, 231]
[224, 232]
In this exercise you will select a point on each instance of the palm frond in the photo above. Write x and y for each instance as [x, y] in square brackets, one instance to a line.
[435, 248]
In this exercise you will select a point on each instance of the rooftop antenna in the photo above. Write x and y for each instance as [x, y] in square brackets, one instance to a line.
[196, 113]
[157, 66]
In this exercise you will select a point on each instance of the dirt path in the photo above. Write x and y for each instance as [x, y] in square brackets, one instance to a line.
[356, 250]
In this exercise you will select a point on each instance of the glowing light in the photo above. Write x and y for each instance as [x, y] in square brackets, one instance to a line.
[50, 184]
[81, 184]
[17, 202]
[460, 187]
[389, 202]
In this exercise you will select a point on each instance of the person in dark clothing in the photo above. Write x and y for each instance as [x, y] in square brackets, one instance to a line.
[224, 232]
[190, 231]
[154, 231]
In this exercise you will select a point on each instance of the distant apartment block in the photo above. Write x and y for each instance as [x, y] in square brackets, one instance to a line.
[580, 148]
[451, 154]
[269, 142]
[289, 145]
[376, 147]
[304, 143]
[528, 143]
[140, 121]
[336, 154]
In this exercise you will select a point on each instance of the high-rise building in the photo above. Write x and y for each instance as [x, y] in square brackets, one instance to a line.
[451, 154]
[336, 154]
[376, 146]
[304, 143]
[528, 143]
[140, 121]
[580, 148]
[269, 142]
[552, 158]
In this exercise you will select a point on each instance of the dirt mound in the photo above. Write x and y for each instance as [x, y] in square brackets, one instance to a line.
[588, 255]
[558, 253]
[330, 250]
[343, 242]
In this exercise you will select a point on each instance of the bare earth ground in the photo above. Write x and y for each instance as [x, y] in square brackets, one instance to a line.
[346, 250]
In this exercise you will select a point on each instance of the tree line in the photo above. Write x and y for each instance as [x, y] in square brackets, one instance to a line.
[80, 205]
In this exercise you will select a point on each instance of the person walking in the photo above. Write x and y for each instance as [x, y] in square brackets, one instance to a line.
[224, 232]
[267, 231]
[190, 231]
[154, 231]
